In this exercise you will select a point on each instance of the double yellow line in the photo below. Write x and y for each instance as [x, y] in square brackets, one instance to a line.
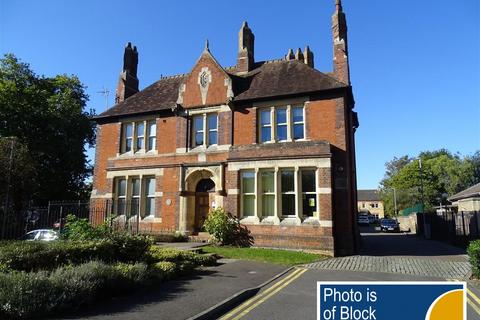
[255, 301]
[472, 299]
[475, 303]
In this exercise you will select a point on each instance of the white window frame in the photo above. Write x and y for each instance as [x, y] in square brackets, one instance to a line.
[262, 194]
[145, 135]
[129, 197]
[212, 130]
[205, 130]
[274, 125]
[151, 143]
[314, 192]
[287, 193]
[243, 194]
[147, 197]
[269, 125]
[119, 197]
[297, 123]
[283, 124]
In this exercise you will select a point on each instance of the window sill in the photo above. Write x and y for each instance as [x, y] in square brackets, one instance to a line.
[211, 148]
[250, 220]
[138, 154]
[270, 220]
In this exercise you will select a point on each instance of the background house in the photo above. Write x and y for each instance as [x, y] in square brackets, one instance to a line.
[467, 200]
[369, 201]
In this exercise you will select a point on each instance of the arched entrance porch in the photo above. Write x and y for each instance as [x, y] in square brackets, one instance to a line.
[202, 193]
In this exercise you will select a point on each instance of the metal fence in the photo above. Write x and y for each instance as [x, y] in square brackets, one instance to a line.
[458, 228]
[120, 215]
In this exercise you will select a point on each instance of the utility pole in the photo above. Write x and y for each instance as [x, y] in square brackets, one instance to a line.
[395, 201]
[7, 195]
[426, 231]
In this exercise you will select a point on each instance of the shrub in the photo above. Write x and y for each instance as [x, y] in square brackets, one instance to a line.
[165, 270]
[77, 229]
[220, 225]
[227, 230]
[473, 251]
[170, 255]
[24, 294]
[185, 260]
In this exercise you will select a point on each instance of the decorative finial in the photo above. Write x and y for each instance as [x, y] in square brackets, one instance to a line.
[245, 24]
[206, 46]
[338, 5]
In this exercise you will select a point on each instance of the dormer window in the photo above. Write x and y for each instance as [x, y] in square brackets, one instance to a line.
[138, 136]
[205, 130]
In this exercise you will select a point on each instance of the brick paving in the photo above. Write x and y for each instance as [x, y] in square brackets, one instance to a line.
[403, 265]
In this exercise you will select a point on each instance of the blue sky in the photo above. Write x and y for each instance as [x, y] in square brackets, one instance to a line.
[415, 65]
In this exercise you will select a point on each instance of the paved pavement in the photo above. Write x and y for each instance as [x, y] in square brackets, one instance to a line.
[402, 253]
[185, 297]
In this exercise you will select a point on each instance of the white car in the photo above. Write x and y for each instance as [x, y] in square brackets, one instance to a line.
[363, 220]
[41, 235]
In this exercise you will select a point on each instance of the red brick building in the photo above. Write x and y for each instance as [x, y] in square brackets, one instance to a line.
[270, 141]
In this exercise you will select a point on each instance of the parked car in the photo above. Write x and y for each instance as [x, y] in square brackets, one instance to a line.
[363, 220]
[41, 235]
[389, 225]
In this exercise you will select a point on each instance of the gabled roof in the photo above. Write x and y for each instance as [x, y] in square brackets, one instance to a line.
[473, 191]
[268, 80]
[282, 78]
[368, 195]
[161, 95]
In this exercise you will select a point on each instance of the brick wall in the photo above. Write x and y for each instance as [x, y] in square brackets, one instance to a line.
[245, 129]
[298, 237]
[108, 139]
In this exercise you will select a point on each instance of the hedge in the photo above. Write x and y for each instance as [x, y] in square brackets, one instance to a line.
[33, 256]
[28, 294]
[473, 251]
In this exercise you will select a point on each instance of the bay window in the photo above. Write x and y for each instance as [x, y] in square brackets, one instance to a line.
[293, 195]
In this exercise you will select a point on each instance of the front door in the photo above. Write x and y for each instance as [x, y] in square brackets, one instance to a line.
[202, 207]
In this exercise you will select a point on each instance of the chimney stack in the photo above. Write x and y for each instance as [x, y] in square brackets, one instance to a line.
[340, 44]
[299, 55]
[128, 81]
[308, 57]
[246, 41]
[290, 55]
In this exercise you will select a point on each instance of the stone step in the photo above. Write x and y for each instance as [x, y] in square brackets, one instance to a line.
[200, 237]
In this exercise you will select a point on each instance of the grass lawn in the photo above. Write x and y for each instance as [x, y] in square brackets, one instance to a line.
[284, 257]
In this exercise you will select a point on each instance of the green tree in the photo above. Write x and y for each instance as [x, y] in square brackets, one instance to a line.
[48, 117]
[442, 173]
[17, 173]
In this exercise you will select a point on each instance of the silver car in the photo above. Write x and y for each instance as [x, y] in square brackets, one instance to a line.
[41, 235]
